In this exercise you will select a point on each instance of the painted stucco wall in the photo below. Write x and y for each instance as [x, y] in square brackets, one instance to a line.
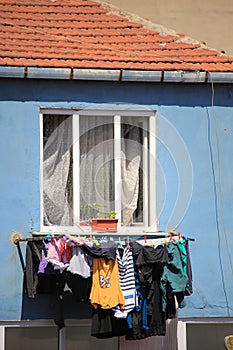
[194, 177]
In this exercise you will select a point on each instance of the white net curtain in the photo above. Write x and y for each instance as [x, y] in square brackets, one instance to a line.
[57, 170]
[96, 165]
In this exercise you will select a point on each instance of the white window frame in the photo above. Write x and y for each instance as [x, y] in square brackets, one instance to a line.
[149, 195]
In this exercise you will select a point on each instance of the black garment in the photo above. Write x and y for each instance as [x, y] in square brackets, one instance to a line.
[189, 287]
[137, 331]
[156, 318]
[104, 250]
[106, 325]
[149, 263]
[57, 298]
[144, 255]
[79, 286]
[171, 306]
[33, 258]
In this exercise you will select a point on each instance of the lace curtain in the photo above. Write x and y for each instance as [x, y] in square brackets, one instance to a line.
[96, 165]
[131, 154]
[57, 170]
[97, 171]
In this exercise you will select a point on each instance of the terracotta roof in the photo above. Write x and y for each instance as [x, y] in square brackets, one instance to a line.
[90, 34]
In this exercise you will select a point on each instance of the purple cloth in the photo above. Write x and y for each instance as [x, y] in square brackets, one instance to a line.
[43, 264]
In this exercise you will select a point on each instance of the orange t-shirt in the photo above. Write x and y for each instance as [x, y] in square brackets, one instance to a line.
[106, 291]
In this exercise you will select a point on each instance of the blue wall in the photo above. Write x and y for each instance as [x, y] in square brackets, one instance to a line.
[195, 187]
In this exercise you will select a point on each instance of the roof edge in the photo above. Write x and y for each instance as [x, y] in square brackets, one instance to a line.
[116, 75]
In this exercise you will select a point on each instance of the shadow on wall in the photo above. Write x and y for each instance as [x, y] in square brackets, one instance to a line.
[53, 306]
[177, 94]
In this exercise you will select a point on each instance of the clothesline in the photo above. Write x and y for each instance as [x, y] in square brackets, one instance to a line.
[17, 237]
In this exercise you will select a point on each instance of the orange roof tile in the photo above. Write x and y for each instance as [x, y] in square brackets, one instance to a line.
[91, 34]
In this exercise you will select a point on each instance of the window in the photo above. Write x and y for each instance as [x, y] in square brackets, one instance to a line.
[98, 157]
[30, 337]
[43, 334]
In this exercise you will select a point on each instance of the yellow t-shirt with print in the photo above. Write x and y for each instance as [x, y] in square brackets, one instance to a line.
[106, 291]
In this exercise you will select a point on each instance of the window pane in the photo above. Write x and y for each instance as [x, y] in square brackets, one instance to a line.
[57, 170]
[96, 165]
[138, 214]
[132, 170]
[78, 337]
[210, 335]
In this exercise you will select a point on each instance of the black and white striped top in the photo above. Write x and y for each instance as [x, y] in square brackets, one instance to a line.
[127, 282]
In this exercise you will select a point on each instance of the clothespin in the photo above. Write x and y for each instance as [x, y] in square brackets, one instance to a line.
[48, 237]
[144, 238]
[180, 238]
[119, 244]
[172, 239]
[95, 241]
[127, 242]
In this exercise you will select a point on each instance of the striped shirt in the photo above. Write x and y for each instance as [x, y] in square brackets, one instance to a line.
[127, 282]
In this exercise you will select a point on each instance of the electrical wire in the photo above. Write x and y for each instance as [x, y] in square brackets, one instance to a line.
[216, 205]
[219, 180]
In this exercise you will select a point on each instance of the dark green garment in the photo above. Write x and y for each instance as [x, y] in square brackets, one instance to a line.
[174, 278]
[182, 246]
